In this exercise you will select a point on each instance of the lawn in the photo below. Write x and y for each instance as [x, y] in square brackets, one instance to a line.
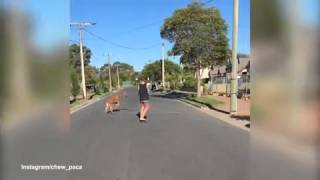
[205, 100]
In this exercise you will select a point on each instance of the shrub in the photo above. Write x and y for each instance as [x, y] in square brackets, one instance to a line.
[75, 87]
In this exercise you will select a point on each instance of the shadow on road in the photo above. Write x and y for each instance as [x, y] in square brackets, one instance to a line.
[171, 95]
[138, 115]
[182, 95]
[120, 109]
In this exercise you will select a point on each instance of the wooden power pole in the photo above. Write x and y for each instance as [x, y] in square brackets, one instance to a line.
[110, 78]
[81, 26]
[234, 73]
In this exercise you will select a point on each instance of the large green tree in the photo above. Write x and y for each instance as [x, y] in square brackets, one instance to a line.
[91, 74]
[199, 36]
[153, 71]
[74, 85]
[126, 72]
[74, 57]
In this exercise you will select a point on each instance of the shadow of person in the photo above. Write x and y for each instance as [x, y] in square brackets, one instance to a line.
[138, 115]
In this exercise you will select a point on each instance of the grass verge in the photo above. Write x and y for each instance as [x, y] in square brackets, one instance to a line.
[210, 102]
[199, 105]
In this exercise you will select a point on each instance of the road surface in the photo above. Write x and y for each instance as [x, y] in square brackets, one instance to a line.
[178, 143]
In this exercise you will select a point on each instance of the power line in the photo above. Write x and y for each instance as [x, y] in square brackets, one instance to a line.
[139, 28]
[73, 41]
[119, 45]
[207, 2]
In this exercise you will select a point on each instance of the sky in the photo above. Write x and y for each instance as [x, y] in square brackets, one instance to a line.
[136, 24]
[129, 23]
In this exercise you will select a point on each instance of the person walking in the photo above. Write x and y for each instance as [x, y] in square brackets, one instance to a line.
[144, 100]
[149, 87]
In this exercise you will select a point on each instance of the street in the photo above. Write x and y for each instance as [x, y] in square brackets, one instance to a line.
[231, 89]
[178, 142]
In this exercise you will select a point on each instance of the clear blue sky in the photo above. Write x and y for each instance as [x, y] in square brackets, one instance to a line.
[50, 24]
[115, 18]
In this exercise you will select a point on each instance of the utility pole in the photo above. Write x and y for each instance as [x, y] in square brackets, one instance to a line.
[110, 79]
[234, 74]
[163, 78]
[81, 26]
[118, 76]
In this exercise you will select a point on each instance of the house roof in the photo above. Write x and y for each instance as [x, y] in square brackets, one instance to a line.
[243, 63]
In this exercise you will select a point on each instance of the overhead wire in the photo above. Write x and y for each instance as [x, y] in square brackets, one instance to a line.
[119, 45]
[139, 28]
[207, 2]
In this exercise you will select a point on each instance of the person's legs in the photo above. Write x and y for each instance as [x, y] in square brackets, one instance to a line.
[146, 108]
[111, 108]
[141, 111]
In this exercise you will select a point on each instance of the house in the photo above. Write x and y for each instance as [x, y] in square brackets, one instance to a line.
[219, 77]
[204, 73]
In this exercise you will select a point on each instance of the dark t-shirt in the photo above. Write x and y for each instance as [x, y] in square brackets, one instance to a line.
[143, 92]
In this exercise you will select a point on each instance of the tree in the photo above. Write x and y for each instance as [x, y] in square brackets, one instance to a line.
[74, 57]
[154, 73]
[102, 85]
[134, 78]
[75, 87]
[91, 74]
[199, 36]
[126, 72]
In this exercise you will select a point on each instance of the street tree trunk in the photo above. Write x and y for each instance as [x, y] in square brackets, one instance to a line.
[198, 82]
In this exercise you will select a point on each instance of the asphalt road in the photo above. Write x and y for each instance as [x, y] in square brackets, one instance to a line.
[177, 143]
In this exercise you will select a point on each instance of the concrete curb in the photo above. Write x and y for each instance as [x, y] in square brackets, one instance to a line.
[192, 104]
[204, 106]
[86, 104]
[208, 107]
[219, 115]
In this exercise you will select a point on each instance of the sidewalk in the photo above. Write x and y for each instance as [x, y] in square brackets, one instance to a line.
[243, 106]
[242, 124]
[214, 109]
